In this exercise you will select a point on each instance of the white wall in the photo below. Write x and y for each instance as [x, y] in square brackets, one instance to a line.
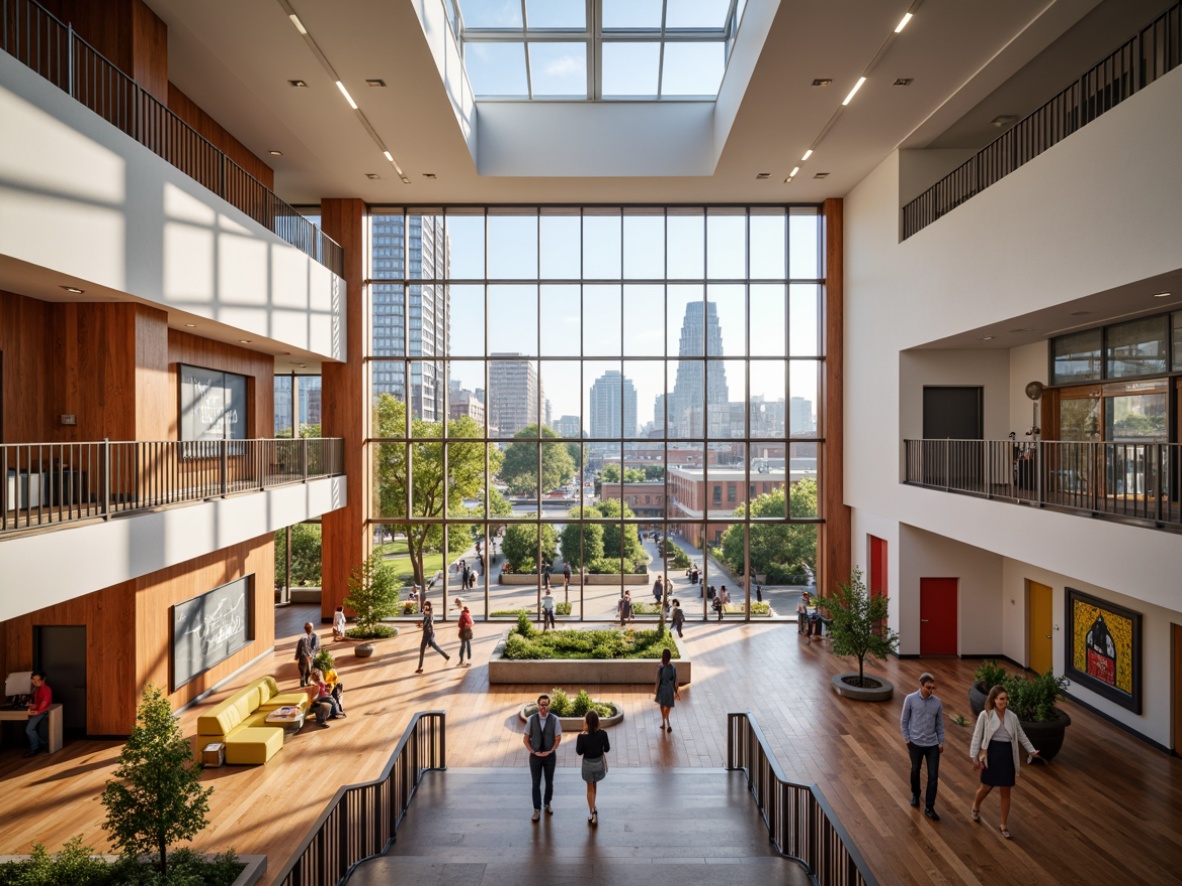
[34, 573]
[80, 198]
[1027, 363]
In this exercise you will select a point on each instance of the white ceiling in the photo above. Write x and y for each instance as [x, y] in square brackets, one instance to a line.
[235, 60]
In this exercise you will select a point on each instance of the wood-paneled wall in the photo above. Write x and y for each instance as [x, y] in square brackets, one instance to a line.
[342, 410]
[128, 631]
[259, 369]
[24, 341]
[188, 110]
[835, 548]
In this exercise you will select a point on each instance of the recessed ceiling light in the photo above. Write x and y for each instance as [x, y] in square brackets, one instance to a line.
[1162, 294]
[907, 16]
[191, 325]
[987, 338]
[299, 84]
[1004, 120]
[345, 93]
[73, 289]
[763, 175]
[820, 175]
[795, 169]
[807, 154]
[276, 153]
[373, 176]
[246, 341]
[903, 81]
[406, 179]
[376, 84]
[849, 98]
[299, 25]
[823, 81]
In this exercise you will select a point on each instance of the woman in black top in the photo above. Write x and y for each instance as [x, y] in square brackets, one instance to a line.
[428, 636]
[593, 746]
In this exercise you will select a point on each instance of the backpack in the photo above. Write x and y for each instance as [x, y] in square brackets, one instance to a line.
[718, 603]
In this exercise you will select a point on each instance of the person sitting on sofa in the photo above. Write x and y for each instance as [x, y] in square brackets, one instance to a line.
[327, 706]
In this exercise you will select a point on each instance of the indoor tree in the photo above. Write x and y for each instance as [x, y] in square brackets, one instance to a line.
[859, 623]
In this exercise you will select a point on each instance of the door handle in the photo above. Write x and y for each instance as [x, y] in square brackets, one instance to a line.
[924, 620]
[1048, 636]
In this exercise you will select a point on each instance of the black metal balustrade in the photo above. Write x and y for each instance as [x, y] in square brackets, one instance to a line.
[1154, 51]
[42, 42]
[361, 820]
[799, 819]
[1133, 482]
[53, 483]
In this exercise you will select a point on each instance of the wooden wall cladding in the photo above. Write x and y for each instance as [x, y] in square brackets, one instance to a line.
[259, 369]
[188, 110]
[342, 410]
[128, 631]
[836, 543]
[24, 341]
[149, 47]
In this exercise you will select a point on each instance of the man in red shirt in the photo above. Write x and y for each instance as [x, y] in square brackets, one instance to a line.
[38, 710]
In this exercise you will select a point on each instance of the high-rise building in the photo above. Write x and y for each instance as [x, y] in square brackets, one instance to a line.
[568, 426]
[512, 393]
[613, 406]
[800, 413]
[699, 398]
[422, 306]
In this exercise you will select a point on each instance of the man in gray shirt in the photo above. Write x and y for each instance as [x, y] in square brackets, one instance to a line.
[922, 725]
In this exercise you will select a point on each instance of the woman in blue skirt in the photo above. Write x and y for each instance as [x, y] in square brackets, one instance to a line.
[995, 752]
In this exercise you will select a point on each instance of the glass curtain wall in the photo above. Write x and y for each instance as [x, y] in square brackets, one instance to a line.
[588, 399]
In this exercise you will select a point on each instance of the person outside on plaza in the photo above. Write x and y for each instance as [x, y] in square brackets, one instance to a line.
[624, 608]
[565, 577]
[307, 648]
[718, 604]
[667, 689]
[658, 590]
[994, 750]
[465, 626]
[548, 611]
[542, 736]
[338, 624]
[759, 593]
[593, 745]
[429, 637]
[38, 711]
[922, 725]
[677, 617]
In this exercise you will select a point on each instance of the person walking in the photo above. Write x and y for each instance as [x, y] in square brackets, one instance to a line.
[624, 608]
[565, 577]
[658, 590]
[429, 637]
[592, 745]
[465, 625]
[307, 648]
[548, 611]
[994, 750]
[759, 593]
[922, 725]
[677, 617]
[542, 736]
[718, 604]
[667, 689]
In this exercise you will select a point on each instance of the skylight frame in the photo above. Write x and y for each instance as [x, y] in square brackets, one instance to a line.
[594, 36]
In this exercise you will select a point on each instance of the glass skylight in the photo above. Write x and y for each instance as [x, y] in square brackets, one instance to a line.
[595, 49]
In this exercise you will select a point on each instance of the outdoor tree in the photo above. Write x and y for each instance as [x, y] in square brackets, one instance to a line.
[432, 492]
[589, 534]
[776, 548]
[619, 540]
[155, 798]
[519, 471]
[373, 595]
[859, 623]
[305, 554]
[520, 545]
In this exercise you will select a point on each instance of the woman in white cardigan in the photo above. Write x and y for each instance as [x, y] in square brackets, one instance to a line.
[995, 752]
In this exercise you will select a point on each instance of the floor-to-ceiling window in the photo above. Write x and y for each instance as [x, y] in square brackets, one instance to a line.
[630, 393]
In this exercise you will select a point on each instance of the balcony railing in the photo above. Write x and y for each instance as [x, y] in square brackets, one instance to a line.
[362, 819]
[801, 823]
[48, 484]
[1154, 51]
[42, 42]
[1133, 482]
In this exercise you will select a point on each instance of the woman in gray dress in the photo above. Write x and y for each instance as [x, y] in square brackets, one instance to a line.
[592, 745]
[667, 689]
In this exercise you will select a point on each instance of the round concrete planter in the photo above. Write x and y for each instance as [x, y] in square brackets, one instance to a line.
[881, 690]
[363, 650]
[575, 724]
[978, 693]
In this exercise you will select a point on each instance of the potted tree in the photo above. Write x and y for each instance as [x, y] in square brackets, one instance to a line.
[373, 595]
[1033, 701]
[988, 674]
[859, 629]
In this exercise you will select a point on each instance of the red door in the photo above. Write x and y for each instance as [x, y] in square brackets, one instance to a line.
[878, 566]
[937, 616]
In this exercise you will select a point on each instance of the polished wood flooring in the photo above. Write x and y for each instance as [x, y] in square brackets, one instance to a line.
[1107, 810]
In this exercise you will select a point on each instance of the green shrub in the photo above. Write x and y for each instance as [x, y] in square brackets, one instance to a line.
[582, 703]
[323, 661]
[608, 643]
[376, 632]
[524, 628]
[1033, 700]
[75, 865]
[560, 703]
[991, 673]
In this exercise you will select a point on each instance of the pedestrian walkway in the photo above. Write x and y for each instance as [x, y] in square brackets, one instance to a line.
[471, 827]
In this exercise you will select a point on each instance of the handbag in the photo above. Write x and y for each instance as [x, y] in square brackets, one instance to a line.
[465, 633]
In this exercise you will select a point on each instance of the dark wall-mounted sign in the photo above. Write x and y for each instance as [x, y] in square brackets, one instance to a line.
[213, 404]
[210, 628]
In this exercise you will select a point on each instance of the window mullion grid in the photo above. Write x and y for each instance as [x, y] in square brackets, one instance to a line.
[661, 67]
[594, 20]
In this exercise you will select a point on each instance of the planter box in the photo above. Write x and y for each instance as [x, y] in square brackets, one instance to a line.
[580, 671]
[254, 866]
[526, 578]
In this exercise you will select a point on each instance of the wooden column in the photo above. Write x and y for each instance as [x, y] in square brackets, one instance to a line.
[834, 542]
[342, 411]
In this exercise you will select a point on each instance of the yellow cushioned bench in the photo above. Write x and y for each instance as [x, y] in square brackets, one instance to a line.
[239, 722]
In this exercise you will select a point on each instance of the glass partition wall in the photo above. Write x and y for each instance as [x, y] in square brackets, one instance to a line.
[587, 399]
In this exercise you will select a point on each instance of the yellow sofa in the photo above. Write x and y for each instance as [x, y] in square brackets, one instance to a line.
[239, 722]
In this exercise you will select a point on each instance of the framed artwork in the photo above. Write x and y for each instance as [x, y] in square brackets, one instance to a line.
[1104, 648]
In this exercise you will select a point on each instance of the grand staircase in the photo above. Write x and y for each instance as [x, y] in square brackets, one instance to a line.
[681, 827]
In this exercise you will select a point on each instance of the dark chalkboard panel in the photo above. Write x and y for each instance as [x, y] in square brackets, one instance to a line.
[210, 628]
[213, 404]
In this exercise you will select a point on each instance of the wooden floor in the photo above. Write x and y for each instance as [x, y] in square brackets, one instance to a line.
[1107, 810]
